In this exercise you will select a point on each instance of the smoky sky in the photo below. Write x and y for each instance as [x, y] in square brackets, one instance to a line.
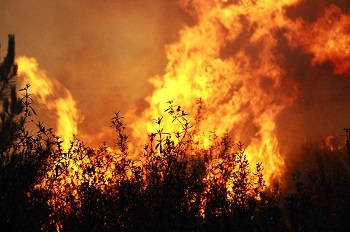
[323, 103]
[105, 51]
[102, 51]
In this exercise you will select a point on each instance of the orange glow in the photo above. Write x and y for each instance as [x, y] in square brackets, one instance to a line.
[328, 39]
[333, 143]
[229, 59]
[79, 165]
[213, 62]
[65, 172]
[52, 95]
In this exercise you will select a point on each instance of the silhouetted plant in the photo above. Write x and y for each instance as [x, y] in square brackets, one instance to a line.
[175, 184]
[347, 131]
[23, 156]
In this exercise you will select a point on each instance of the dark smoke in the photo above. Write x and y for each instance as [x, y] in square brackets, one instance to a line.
[323, 105]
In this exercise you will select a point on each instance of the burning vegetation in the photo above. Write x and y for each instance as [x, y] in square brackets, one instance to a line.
[207, 152]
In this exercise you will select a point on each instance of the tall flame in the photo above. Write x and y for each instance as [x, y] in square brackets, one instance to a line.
[229, 59]
[52, 95]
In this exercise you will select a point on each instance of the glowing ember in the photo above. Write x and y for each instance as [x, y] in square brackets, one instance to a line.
[333, 143]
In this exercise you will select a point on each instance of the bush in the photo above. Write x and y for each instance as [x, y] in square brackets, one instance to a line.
[174, 186]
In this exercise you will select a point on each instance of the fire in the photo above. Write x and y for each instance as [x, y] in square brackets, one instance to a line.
[50, 94]
[328, 39]
[230, 60]
[333, 143]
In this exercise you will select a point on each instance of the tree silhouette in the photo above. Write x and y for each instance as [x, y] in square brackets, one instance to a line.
[22, 155]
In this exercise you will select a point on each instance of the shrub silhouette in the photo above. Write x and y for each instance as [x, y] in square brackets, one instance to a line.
[175, 185]
[23, 156]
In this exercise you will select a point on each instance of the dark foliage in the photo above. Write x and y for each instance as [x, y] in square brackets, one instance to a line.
[23, 156]
[172, 186]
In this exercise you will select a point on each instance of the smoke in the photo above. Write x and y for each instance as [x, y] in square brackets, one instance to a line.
[322, 106]
[102, 51]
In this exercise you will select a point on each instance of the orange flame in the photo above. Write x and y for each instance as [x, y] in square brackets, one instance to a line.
[51, 94]
[228, 61]
[66, 174]
[328, 39]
